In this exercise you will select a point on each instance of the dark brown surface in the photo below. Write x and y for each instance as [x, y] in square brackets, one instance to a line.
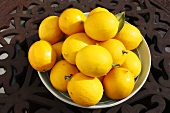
[19, 20]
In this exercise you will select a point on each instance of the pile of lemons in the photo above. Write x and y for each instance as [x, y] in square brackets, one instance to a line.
[88, 56]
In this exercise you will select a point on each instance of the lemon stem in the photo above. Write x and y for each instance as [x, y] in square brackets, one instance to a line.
[82, 22]
[68, 77]
[113, 65]
[123, 51]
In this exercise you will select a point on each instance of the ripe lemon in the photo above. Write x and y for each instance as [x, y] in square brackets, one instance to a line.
[57, 47]
[73, 44]
[42, 56]
[49, 29]
[117, 50]
[132, 63]
[94, 60]
[130, 36]
[85, 90]
[57, 75]
[101, 78]
[72, 21]
[118, 83]
[101, 26]
[98, 9]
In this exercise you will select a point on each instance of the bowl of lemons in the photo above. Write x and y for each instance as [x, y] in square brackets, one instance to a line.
[90, 60]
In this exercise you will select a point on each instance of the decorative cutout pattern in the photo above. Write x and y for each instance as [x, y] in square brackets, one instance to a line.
[24, 92]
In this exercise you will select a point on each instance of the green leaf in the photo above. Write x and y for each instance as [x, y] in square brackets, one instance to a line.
[121, 18]
[61, 57]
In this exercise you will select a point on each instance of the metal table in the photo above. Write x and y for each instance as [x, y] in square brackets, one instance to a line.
[22, 90]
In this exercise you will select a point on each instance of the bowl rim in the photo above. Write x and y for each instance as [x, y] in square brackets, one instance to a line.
[110, 103]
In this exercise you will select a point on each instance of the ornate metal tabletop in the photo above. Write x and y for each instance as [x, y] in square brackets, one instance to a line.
[23, 91]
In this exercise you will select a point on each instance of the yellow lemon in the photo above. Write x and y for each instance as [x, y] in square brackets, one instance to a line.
[130, 36]
[42, 56]
[73, 44]
[71, 21]
[49, 29]
[101, 26]
[58, 73]
[132, 63]
[117, 50]
[58, 47]
[101, 78]
[118, 83]
[97, 9]
[94, 60]
[85, 90]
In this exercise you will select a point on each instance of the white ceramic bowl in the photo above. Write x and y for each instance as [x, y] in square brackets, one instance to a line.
[144, 54]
